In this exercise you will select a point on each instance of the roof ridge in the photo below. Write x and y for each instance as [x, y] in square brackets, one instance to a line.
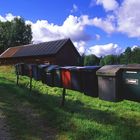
[41, 43]
[51, 41]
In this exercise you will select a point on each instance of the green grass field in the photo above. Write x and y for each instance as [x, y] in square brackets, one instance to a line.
[37, 115]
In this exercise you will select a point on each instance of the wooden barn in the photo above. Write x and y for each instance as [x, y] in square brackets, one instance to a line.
[60, 52]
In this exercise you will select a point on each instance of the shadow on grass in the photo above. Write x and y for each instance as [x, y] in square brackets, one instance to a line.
[60, 119]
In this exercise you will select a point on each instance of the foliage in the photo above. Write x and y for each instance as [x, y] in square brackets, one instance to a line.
[90, 60]
[125, 58]
[135, 57]
[128, 57]
[102, 63]
[14, 33]
[109, 60]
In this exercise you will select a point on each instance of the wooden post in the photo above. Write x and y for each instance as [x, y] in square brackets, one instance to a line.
[30, 73]
[31, 83]
[63, 97]
[17, 79]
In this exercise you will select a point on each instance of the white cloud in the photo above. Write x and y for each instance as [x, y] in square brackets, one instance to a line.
[73, 27]
[123, 19]
[74, 8]
[128, 18]
[102, 50]
[109, 5]
[80, 46]
[105, 24]
[8, 17]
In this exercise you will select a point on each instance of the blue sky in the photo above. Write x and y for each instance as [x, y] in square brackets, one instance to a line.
[100, 27]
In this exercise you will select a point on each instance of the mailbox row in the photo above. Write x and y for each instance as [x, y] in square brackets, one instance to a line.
[81, 79]
[111, 82]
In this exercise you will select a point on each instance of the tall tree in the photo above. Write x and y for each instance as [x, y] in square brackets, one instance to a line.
[90, 60]
[102, 63]
[135, 56]
[14, 33]
[128, 54]
[109, 60]
[22, 33]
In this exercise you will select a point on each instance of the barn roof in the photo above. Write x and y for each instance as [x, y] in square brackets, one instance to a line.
[45, 48]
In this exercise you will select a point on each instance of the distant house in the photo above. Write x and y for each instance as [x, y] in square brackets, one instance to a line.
[61, 52]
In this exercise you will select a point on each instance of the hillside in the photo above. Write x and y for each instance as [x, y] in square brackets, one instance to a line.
[37, 115]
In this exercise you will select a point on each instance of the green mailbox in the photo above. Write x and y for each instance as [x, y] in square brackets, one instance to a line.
[131, 82]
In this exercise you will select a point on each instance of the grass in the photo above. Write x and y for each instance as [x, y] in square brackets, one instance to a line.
[37, 115]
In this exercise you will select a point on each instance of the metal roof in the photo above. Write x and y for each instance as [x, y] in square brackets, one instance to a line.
[45, 48]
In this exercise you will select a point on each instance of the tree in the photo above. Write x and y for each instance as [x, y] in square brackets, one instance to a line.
[22, 33]
[4, 35]
[128, 53]
[135, 56]
[91, 60]
[102, 63]
[109, 60]
[125, 58]
[14, 33]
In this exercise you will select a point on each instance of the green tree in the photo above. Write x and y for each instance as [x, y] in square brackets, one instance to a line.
[128, 54]
[109, 60]
[22, 33]
[91, 60]
[14, 33]
[135, 56]
[5, 35]
[102, 63]
[125, 58]
[122, 59]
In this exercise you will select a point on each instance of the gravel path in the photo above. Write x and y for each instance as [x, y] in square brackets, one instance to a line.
[4, 129]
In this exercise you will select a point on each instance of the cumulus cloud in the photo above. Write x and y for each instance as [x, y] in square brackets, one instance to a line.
[109, 5]
[123, 19]
[128, 18]
[73, 27]
[8, 17]
[74, 8]
[102, 50]
[80, 46]
[105, 24]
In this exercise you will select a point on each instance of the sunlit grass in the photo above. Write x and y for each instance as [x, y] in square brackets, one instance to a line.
[82, 117]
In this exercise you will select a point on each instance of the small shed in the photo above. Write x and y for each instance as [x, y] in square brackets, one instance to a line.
[59, 52]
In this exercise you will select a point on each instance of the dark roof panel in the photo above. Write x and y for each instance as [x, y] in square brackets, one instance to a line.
[46, 48]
